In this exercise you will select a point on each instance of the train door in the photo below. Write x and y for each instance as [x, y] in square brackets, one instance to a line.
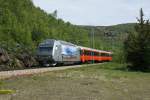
[57, 54]
[82, 56]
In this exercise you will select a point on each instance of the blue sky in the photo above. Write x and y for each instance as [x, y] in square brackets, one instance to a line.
[96, 12]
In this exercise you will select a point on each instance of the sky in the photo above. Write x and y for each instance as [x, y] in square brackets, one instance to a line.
[96, 12]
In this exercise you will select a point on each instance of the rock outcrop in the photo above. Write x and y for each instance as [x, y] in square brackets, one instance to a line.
[4, 57]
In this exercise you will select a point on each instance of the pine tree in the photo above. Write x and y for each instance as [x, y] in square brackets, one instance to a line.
[137, 46]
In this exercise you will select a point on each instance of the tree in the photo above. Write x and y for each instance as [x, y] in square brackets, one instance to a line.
[137, 46]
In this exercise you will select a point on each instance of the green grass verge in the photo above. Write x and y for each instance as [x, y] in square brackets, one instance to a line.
[109, 70]
[6, 91]
[107, 81]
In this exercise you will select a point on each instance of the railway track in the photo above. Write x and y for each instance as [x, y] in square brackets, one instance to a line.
[17, 73]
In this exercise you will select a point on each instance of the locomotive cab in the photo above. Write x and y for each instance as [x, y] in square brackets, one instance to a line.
[45, 52]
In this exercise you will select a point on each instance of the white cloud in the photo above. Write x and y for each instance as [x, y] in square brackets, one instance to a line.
[96, 12]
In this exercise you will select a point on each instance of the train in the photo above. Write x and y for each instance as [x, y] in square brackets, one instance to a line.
[52, 52]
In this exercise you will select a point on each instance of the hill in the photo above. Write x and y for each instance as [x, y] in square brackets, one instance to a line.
[115, 29]
[23, 26]
[109, 37]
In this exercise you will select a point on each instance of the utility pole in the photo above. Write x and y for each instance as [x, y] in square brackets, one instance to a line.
[92, 43]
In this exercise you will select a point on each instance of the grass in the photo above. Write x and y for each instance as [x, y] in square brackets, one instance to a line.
[100, 82]
[6, 91]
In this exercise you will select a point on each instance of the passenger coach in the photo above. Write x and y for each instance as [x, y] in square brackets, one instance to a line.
[88, 55]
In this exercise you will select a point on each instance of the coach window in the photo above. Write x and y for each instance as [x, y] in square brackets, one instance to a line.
[86, 52]
[99, 54]
[91, 53]
[107, 54]
[102, 54]
[95, 54]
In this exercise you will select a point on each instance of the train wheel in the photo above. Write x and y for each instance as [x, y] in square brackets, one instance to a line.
[54, 64]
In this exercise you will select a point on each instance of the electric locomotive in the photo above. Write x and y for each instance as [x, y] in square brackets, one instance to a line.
[56, 52]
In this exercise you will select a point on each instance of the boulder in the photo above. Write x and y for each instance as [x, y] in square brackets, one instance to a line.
[4, 57]
[16, 63]
[27, 59]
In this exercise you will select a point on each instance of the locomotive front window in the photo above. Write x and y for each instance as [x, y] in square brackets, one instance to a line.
[45, 49]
